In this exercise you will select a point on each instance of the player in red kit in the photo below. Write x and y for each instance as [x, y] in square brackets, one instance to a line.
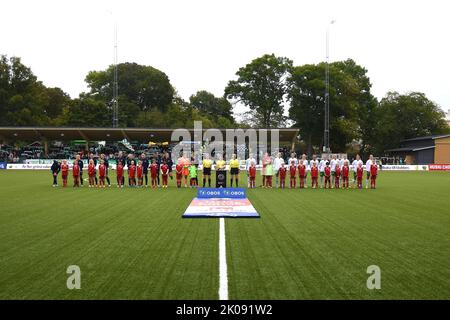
[327, 174]
[302, 174]
[64, 172]
[282, 176]
[292, 171]
[337, 176]
[154, 173]
[119, 174]
[132, 174]
[91, 173]
[359, 175]
[345, 173]
[165, 174]
[102, 173]
[76, 174]
[314, 176]
[252, 174]
[140, 173]
[373, 175]
[179, 174]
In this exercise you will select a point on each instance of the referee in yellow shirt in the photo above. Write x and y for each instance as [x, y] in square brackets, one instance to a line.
[220, 164]
[234, 170]
[207, 163]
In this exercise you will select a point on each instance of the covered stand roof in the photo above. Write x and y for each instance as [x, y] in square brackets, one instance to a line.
[110, 134]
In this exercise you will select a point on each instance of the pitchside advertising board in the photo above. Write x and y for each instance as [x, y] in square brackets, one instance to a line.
[2, 165]
[221, 203]
[439, 167]
[403, 167]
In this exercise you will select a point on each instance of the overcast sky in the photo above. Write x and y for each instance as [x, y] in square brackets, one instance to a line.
[200, 44]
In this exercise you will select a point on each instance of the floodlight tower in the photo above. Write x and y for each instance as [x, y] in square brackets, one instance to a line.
[115, 101]
[326, 133]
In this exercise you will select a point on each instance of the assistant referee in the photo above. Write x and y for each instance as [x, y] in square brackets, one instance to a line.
[234, 170]
[207, 163]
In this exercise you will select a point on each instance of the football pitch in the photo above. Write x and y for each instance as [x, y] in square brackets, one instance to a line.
[308, 244]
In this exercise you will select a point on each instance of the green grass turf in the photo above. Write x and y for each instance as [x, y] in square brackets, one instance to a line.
[308, 244]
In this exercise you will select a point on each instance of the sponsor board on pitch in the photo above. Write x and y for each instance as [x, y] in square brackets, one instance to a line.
[221, 193]
[2, 165]
[221, 203]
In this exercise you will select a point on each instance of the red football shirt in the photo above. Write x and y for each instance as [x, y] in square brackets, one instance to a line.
[301, 170]
[91, 170]
[64, 170]
[76, 170]
[154, 169]
[327, 171]
[359, 172]
[252, 172]
[314, 172]
[102, 170]
[337, 172]
[179, 169]
[292, 170]
[140, 171]
[282, 172]
[119, 170]
[373, 170]
[165, 169]
[345, 170]
[132, 171]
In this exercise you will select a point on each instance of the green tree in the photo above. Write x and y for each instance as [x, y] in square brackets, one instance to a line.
[406, 116]
[349, 94]
[261, 86]
[215, 107]
[86, 111]
[25, 101]
[367, 105]
[145, 86]
[55, 101]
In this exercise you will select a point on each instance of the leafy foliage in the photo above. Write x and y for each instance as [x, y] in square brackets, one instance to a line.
[262, 87]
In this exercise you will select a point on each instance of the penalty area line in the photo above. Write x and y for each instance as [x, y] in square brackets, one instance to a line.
[223, 273]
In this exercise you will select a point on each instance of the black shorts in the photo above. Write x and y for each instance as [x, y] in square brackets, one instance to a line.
[368, 175]
[234, 170]
[206, 171]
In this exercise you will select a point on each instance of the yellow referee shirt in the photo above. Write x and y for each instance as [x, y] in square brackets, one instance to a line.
[234, 163]
[207, 163]
[220, 165]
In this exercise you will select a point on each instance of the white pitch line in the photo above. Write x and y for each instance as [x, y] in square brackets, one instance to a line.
[223, 273]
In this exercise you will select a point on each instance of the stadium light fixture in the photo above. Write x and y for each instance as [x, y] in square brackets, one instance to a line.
[326, 133]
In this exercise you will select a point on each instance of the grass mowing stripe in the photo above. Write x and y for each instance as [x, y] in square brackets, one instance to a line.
[223, 273]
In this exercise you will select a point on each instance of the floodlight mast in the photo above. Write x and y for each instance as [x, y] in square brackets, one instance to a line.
[326, 133]
[115, 102]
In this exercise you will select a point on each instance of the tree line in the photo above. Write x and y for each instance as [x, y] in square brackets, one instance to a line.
[274, 91]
